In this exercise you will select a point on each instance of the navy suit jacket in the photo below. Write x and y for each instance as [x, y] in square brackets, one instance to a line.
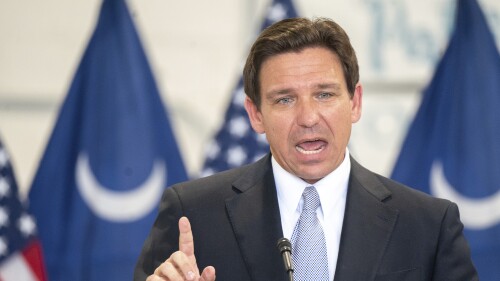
[390, 232]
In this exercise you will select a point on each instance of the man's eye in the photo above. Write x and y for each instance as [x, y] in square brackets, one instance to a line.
[324, 95]
[284, 100]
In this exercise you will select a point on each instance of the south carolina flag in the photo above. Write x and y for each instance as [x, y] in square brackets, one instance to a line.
[452, 149]
[110, 156]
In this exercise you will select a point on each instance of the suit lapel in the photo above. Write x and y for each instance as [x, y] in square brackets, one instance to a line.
[255, 218]
[367, 228]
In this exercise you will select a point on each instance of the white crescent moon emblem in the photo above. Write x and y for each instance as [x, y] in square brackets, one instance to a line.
[475, 213]
[119, 206]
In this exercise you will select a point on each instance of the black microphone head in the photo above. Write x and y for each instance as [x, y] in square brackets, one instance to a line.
[284, 245]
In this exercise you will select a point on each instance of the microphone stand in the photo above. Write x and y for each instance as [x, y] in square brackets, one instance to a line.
[285, 248]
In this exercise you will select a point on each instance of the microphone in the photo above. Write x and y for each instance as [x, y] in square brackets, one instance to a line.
[285, 248]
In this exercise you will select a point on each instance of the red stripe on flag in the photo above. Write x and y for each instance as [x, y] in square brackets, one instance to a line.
[33, 255]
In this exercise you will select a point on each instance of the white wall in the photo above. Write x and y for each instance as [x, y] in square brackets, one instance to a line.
[196, 49]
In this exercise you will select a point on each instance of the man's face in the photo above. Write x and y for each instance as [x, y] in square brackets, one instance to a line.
[306, 111]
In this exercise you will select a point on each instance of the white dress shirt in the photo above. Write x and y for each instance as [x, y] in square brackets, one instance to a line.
[332, 191]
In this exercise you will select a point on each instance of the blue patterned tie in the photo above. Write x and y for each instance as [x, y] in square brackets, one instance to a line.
[308, 242]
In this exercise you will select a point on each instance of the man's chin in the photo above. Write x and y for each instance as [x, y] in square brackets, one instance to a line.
[312, 176]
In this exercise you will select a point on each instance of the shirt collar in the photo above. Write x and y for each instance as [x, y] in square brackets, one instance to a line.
[331, 188]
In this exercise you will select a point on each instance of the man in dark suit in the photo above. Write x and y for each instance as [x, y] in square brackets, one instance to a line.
[303, 91]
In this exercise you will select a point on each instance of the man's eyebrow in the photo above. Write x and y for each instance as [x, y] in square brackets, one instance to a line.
[279, 92]
[334, 86]
[285, 91]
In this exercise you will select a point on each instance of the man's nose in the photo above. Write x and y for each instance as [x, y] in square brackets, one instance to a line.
[307, 113]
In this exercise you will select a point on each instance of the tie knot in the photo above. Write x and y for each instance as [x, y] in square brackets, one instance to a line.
[311, 199]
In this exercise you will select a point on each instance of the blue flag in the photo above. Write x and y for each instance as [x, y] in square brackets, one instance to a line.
[452, 149]
[236, 143]
[111, 154]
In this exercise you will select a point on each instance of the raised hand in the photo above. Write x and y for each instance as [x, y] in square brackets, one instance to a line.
[181, 265]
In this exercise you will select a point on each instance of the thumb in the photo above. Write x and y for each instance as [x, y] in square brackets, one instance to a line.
[208, 274]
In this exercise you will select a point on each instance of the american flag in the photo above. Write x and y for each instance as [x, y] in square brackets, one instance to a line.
[236, 143]
[20, 251]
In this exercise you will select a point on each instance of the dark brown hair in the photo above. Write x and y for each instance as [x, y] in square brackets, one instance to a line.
[294, 35]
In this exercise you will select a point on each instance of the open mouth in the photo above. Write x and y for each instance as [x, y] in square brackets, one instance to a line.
[311, 147]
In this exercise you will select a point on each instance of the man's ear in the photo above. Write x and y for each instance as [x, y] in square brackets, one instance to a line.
[254, 115]
[357, 103]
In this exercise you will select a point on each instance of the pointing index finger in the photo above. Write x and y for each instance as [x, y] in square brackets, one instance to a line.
[186, 243]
